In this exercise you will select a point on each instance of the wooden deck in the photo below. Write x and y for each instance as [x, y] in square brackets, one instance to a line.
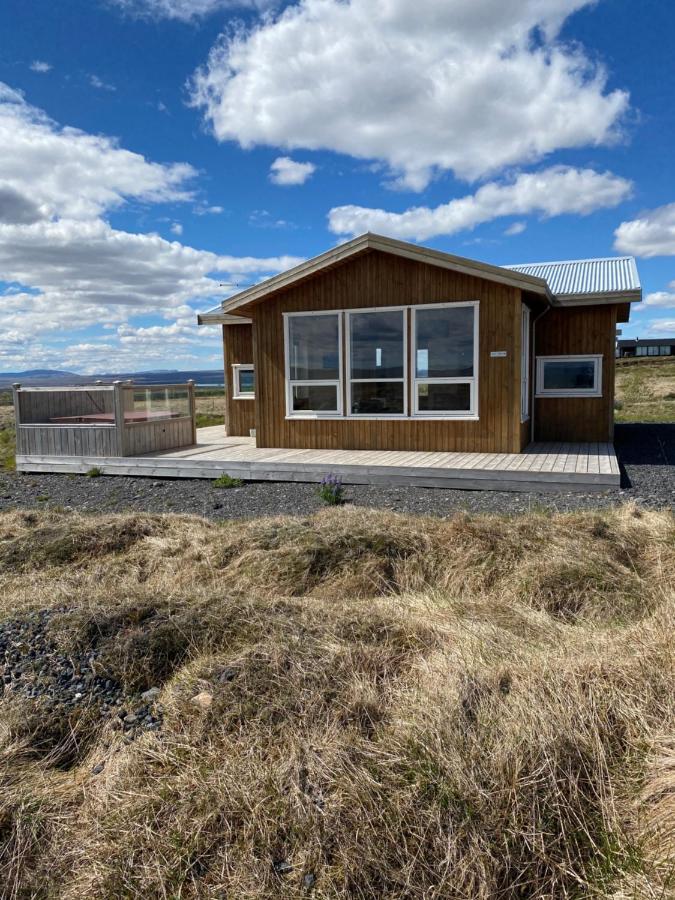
[543, 467]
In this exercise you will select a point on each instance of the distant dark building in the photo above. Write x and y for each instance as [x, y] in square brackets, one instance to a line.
[647, 347]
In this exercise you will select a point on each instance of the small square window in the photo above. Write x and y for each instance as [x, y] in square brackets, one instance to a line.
[243, 379]
[569, 376]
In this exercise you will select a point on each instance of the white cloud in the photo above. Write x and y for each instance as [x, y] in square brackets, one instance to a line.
[657, 300]
[40, 66]
[186, 10]
[67, 270]
[469, 86]
[515, 228]
[285, 171]
[88, 272]
[202, 210]
[66, 172]
[552, 192]
[177, 229]
[662, 326]
[101, 85]
[651, 234]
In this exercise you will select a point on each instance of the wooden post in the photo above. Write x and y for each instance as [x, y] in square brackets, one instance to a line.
[193, 409]
[118, 406]
[17, 414]
[15, 395]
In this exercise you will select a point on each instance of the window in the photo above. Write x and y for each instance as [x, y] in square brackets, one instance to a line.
[243, 379]
[525, 365]
[445, 346]
[569, 376]
[313, 364]
[373, 380]
[376, 359]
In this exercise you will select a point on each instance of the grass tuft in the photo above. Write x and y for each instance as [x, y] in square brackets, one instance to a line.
[399, 707]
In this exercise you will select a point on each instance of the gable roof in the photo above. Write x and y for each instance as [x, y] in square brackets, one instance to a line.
[590, 280]
[586, 280]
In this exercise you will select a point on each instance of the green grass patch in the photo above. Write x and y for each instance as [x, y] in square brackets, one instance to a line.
[206, 420]
[226, 481]
[7, 449]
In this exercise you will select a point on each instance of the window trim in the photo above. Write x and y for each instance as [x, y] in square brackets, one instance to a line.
[289, 385]
[595, 391]
[525, 363]
[463, 415]
[348, 313]
[237, 393]
[343, 384]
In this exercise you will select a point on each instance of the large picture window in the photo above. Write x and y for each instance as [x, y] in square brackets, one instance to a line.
[314, 364]
[374, 370]
[569, 376]
[377, 352]
[445, 347]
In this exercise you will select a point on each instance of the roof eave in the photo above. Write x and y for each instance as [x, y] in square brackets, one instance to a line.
[218, 317]
[598, 299]
[387, 245]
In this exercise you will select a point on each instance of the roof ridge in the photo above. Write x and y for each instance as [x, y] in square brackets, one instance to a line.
[567, 262]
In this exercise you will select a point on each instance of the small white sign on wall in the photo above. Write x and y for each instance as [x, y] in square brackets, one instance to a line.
[498, 353]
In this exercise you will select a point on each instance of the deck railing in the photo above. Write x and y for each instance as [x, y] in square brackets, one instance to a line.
[104, 420]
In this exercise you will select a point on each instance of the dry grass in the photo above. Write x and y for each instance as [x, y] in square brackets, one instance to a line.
[475, 708]
[645, 391]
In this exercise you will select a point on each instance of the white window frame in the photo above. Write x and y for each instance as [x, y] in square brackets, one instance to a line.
[349, 313]
[595, 391]
[467, 415]
[237, 393]
[338, 384]
[525, 364]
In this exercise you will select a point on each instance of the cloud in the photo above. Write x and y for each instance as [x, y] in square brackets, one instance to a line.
[469, 86]
[88, 272]
[101, 85]
[186, 10]
[657, 300]
[516, 228]
[68, 173]
[66, 270]
[202, 210]
[662, 326]
[551, 192]
[40, 66]
[177, 229]
[15, 209]
[652, 234]
[285, 171]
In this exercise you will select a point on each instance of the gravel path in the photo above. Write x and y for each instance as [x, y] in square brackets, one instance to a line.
[646, 453]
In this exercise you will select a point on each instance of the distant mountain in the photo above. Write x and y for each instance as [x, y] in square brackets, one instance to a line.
[37, 373]
[56, 378]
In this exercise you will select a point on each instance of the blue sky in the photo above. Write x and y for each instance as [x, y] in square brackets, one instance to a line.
[157, 154]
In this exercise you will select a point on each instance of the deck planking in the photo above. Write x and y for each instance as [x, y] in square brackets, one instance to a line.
[542, 466]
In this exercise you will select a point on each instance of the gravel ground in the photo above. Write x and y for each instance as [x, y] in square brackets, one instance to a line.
[646, 454]
[32, 667]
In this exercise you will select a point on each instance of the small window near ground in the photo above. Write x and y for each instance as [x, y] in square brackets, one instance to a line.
[569, 376]
[243, 379]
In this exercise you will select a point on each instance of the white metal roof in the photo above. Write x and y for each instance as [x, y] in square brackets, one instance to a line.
[587, 278]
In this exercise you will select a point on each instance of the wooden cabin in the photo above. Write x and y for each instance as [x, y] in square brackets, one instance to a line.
[384, 345]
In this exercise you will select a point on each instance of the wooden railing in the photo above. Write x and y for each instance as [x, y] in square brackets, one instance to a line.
[104, 420]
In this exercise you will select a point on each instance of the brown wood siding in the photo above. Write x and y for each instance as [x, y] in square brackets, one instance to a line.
[577, 331]
[237, 348]
[373, 280]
